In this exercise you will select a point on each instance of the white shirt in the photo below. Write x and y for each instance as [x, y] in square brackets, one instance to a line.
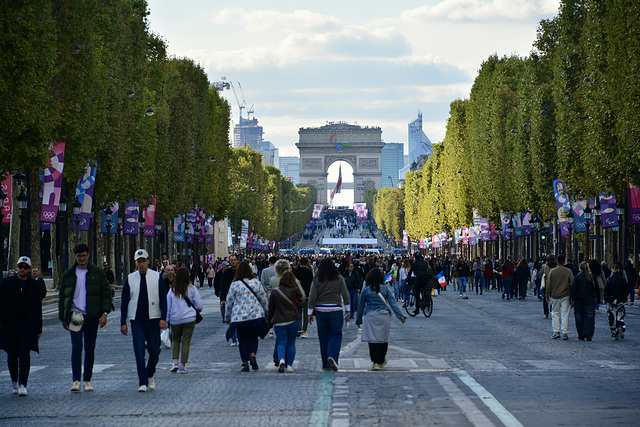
[80, 295]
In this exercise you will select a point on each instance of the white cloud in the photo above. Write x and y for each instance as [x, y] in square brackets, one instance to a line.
[261, 21]
[478, 10]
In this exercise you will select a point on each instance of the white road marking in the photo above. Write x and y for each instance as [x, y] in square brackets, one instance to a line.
[487, 398]
[97, 367]
[31, 370]
[469, 409]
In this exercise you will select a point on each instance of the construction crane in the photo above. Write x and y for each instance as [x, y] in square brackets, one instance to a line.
[250, 109]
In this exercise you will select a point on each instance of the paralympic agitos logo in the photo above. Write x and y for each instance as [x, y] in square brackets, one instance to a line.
[334, 140]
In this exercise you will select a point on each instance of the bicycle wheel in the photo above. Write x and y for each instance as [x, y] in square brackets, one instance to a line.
[410, 304]
[427, 307]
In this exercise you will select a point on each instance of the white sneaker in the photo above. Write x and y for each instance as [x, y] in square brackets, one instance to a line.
[75, 386]
[143, 388]
[282, 366]
[87, 386]
[290, 369]
[22, 390]
[152, 384]
[234, 343]
[15, 387]
[304, 335]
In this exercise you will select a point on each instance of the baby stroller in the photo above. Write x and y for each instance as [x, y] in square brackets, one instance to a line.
[616, 312]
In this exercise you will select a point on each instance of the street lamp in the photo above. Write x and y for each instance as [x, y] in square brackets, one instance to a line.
[23, 201]
[77, 208]
[587, 217]
[108, 215]
[620, 207]
[64, 235]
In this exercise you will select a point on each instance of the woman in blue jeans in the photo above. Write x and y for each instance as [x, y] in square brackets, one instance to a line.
[284, 315]
[326, 297]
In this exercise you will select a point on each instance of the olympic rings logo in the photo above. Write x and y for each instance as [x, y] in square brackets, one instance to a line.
[48, 215]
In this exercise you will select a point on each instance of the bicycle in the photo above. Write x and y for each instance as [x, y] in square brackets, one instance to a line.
[426, 305]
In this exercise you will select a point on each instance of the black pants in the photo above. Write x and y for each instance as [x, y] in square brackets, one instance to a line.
[378, 351]
[210, 279]
[19, 355]
[247, 340]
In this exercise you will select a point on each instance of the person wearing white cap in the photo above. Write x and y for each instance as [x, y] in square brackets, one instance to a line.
[83, 304]
[20, 322]
[144, 305]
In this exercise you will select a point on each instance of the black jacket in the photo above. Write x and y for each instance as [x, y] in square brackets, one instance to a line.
[10, 314]
[616, 289]
[584, 291]
[305, 277]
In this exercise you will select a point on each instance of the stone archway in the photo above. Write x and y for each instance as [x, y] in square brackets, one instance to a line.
[361, 147]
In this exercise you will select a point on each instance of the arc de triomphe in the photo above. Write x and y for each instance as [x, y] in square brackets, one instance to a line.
[361, 147]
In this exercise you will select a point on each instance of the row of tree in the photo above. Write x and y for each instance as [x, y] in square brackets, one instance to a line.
[90, 73]
[569, 110]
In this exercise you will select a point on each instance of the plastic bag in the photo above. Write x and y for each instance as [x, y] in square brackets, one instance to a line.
[165, 338]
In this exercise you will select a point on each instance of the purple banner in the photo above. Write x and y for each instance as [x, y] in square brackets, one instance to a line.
[150, 220]
[504, 220]
[405, 239]
[608, 210]
[130, 223]
[202, 219]
[527, 227]
[84, 193]
[579, 221]
[209, 224]
[494, 233]
[472, 236]
[563, 205]
[485, 231]
[465, 236]
[191, 221]
[52, 188]
[179, 228]
[634, 203]
[517, 224]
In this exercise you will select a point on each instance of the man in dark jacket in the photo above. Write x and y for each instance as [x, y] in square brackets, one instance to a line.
[20, 322]
[83, 304]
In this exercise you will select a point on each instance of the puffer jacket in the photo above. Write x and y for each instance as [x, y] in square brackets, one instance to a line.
[98, 293]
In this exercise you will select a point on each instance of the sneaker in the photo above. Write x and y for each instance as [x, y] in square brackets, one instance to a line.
[270, 335]
[375, 367]
[175, 367]
[565, 337]
[254, 363]
[304, 335]
[290, 369]
[348, 323]
[22, 390]
[15, 387]
[75, 386]
[555, 335]
[588, 336]
[282, 366]
[152, 384]
[245, 368]
[182, 370]
[143, 389]
[332, 364]
[234, 343]
[87, 386]
[383, 364]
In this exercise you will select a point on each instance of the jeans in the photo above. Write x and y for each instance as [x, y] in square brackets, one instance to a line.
[329, 334]
[353, 298]
[478, 282]
[286, 341]
[506, 287]
[585, 314]
[181, 336]
[88, 332]
[560, 308]
[247, 339]
[405, 290]
[18, 349]
[396, 288]
[462, 280]
[149, 331]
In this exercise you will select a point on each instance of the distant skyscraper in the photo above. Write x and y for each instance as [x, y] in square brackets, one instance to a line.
[392, 162]
[419, 144]
[290, 168]
[248, 134]
[269, 153]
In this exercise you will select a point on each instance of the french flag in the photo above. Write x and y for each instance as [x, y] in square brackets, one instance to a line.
[338, 184]
[441, 279]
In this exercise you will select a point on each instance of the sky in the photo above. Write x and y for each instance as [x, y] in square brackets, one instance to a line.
[372, 63]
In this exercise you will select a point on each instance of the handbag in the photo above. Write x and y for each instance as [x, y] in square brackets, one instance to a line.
[295, 305]
[190, 304]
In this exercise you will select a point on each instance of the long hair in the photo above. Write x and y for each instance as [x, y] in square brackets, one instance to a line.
[523, 263]
[595, 267]
[181, 282]
[327, 270]
[243, 271]
[616, 268]
[288, 280]
[374, 279]
[584, 267]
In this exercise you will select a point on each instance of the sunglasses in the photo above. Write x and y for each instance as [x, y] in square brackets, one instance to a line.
[23, 267]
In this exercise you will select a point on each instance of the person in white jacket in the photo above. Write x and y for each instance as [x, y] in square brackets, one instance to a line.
[181, 315]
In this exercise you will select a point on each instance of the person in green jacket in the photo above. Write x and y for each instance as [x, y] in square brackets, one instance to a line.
[83, 305]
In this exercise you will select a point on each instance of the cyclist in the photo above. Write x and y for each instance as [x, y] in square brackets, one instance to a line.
[420, 268]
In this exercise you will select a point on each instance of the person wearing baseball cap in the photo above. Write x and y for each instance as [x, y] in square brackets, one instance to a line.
[20, 322]
[83, 304]
[144, 305]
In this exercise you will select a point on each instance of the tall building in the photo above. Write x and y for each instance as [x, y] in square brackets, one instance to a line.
[269, 153]
[419, 143]
[248, 134]
[392, 162]
[290, 168]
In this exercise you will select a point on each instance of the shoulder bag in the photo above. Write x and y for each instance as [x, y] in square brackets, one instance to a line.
[295, 305]
[190, 304]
